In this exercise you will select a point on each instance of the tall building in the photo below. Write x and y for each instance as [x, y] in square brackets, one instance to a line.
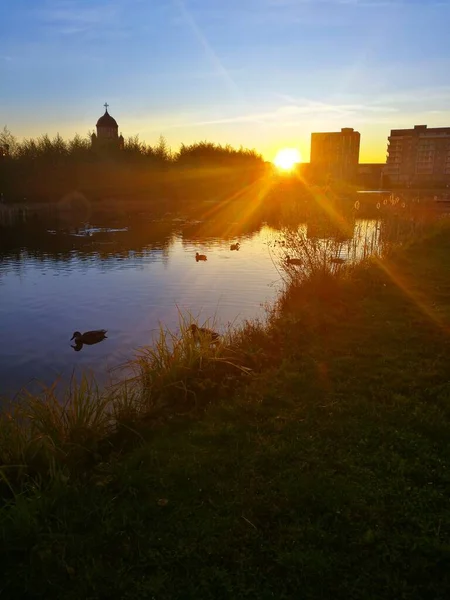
[418, 156]
[336, 154]
[107, 136]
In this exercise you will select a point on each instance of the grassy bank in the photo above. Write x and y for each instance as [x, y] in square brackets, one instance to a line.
[323, 472]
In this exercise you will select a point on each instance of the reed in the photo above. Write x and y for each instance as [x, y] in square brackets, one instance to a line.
[43, 434]
[179, 370]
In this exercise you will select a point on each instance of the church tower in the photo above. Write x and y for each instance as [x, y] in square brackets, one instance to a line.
[107, 133]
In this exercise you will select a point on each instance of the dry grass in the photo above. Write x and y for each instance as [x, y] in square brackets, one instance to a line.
[180, 370]
[41, 434]
[44, 435]
[334, 238]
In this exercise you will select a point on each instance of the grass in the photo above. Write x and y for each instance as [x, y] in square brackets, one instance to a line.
[41, 433]
[44, 435]
[322, 472]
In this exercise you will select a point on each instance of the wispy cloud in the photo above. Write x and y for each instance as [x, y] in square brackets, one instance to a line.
[296, 112]
[289, 114]
[423, 96]
[76, 16]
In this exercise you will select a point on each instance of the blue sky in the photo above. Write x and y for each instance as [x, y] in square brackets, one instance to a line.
[261, 73]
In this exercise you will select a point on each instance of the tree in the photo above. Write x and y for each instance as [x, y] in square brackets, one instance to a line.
[8, 142]
[162, 151]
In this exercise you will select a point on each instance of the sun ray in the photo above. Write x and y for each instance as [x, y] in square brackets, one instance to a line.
[249, 196]
[421, 302]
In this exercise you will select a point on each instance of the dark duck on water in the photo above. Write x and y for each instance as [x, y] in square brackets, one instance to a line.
[89, 338]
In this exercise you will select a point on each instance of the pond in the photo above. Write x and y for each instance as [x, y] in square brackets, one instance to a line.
[127, 277]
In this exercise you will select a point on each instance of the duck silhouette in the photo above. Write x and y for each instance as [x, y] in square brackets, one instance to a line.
[200, 333]
[293, 261]
[89, 338]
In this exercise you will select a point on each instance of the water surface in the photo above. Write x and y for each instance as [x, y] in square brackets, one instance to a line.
[45, 297]
[127, 278]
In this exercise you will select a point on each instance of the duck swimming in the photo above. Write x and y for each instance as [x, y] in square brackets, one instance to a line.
[89, 337]
[235, 246]
[200, 257]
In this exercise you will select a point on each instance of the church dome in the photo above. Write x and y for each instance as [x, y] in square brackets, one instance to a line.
[107, 120]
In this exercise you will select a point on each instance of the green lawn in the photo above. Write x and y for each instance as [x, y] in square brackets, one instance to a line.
[326, 476]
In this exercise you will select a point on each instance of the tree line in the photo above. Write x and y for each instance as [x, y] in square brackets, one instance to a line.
[46, 168]
[57, 150]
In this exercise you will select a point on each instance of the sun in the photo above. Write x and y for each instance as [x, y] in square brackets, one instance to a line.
[287, 158]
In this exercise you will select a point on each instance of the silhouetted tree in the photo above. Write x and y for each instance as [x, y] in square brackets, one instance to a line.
[162, 151]
[207, 153]
[8, 141]
[49, 168]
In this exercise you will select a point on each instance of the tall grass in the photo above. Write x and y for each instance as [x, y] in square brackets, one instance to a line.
[40, 433]
[179, 368]
[332, 239]
[316, 258]
[43, 435]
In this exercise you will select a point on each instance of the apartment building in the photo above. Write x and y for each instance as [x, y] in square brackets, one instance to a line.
[336, 154]
[418, 156]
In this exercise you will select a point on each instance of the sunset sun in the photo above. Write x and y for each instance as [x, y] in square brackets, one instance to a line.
[287, 158]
